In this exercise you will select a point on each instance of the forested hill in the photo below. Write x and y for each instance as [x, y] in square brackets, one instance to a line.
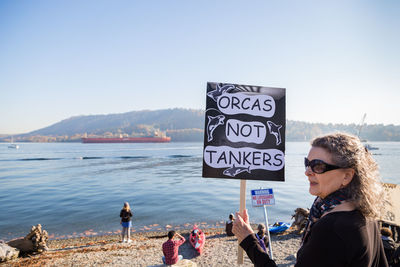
[130, 122]
[182, 125]
[179, 124]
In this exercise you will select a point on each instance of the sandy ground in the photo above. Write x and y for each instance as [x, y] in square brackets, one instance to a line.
[145, 250]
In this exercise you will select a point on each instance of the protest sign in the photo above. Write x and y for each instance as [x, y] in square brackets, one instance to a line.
[244, 135]
[392, 208]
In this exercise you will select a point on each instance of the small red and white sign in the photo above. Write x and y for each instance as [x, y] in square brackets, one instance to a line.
[262, 197]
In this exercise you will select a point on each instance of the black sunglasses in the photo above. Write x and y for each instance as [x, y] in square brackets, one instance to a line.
[319, 166]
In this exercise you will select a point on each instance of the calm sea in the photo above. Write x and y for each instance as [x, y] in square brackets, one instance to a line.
[75, 189]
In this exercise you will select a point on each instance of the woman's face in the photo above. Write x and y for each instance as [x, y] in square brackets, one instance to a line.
[328, 182]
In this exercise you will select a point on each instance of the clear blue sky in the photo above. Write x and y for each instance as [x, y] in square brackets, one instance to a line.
[58, 59]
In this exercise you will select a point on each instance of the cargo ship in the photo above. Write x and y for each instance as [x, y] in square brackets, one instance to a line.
[121, 139]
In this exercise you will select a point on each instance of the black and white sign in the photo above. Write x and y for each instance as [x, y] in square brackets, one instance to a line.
[244, 135]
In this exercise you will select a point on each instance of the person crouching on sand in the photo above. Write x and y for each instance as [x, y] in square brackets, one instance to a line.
[228, 225]
[170, 248]
[126, 215]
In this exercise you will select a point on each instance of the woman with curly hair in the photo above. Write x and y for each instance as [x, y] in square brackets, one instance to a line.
[342, 228]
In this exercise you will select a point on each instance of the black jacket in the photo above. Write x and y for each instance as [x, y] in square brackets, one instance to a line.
[228, 229]
[338, 239]
[389, 247]
[125, 215]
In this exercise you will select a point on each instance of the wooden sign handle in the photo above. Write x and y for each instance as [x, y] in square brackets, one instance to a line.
[242, 207]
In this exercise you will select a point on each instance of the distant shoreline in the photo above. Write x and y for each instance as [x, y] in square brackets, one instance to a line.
[181, 141]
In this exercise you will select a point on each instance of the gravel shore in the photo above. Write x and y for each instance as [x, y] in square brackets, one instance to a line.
[145, 250]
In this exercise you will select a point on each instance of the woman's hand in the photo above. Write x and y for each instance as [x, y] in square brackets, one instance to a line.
[241, 226]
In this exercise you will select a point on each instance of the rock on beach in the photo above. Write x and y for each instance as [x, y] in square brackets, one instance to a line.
[7, 252]
[145, 250]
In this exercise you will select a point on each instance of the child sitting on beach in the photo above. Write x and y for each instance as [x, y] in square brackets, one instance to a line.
[262, 237]
[388, 244]
[229, 224]
[195, 237]
[126, 215]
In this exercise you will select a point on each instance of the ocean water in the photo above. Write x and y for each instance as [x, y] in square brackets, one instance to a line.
[76, 189]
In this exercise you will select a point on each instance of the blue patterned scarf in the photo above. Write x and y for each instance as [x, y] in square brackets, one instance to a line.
[321, 206]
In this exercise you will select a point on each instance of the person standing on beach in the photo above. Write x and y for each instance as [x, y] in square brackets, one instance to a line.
[126, 215]
[170, 248]
[342, 228]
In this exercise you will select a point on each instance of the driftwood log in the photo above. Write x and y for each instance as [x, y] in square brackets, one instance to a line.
[300, 219]
[34, 242]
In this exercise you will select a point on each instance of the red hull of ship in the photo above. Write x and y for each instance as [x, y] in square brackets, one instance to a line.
[127, 140]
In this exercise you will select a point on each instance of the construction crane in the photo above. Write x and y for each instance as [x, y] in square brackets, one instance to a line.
[366, 145]
[361, 125]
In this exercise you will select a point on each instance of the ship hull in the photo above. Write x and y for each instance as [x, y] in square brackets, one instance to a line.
[127, 140]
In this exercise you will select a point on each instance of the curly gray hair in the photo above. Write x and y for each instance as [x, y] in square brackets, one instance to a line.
[365, 190]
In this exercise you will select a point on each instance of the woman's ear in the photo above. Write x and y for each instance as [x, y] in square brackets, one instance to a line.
[348, 176]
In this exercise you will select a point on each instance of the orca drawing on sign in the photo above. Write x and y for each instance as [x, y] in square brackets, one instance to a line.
[219, 91]
[213, 123]
[233, 171]
[274, 129]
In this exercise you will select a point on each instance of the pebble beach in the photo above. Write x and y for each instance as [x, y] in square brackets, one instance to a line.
[145, 250]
